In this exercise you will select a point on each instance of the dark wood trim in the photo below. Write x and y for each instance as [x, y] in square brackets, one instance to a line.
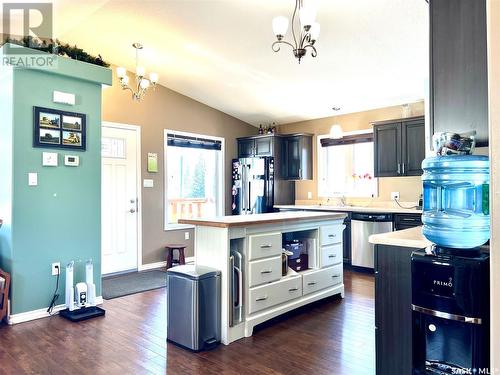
[403, 119]
[347, 140]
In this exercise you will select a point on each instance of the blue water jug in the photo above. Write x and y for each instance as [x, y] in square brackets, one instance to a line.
[456, 200]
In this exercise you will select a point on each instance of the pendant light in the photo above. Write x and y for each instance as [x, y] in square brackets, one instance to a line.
[336, 131]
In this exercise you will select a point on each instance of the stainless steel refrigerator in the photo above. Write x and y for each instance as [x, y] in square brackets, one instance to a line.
[257, 186]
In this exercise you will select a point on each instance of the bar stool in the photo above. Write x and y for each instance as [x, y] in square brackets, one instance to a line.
[170, 254]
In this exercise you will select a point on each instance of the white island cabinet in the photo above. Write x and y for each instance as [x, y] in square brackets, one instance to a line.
[247, 250]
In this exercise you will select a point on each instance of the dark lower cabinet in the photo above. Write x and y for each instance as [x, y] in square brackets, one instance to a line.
[407, 221]
[393, 314]
[346, 240]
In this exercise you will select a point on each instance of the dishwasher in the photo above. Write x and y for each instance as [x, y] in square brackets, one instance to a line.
[362, 227]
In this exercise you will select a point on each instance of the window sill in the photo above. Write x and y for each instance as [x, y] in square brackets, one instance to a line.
[171, 227]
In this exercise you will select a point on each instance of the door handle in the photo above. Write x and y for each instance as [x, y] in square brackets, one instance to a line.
[293, 289]
[267, 246]
[399, 168]
[334, 276]
[311, 283]
[403, 168]
[332, 235]
[266, 271]
[261, 298]
[332, 256]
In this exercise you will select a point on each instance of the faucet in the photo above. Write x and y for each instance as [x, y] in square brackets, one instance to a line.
[343, 201]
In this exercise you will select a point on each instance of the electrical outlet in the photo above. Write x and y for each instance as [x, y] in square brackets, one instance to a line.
[186, 235]
[395, 195]
[56, 268]
[309, 195]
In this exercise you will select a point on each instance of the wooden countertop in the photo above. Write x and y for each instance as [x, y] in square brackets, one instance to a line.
[368, 209]
[412, 237]
[258, 219]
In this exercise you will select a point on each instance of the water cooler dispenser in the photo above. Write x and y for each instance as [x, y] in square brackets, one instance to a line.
[450, 280]
[450, 302]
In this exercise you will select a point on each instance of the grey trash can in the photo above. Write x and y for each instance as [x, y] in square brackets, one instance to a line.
[193, 307]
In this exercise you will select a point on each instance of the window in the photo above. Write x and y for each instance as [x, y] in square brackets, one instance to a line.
[345, 166]
[193, 176]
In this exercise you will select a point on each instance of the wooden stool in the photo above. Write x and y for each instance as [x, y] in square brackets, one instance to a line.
[170, 254]
[4, 294]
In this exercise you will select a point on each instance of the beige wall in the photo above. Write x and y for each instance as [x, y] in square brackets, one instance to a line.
[494, 117]
[166, 109]
[409, 188]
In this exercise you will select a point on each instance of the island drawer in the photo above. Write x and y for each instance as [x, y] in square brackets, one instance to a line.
[331, 254]
[265, 296]
[331, 234]
[264, 271]
[321, 279]
[264, 245]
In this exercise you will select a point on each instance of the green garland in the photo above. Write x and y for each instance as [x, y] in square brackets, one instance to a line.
[60, 49]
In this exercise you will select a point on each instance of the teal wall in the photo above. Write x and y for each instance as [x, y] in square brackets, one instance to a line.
[6, 104]
[60, 219]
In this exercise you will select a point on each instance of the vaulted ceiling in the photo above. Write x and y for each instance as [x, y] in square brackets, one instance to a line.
[371, 53]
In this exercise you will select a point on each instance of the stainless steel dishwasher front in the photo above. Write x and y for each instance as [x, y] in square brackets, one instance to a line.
[363, 225]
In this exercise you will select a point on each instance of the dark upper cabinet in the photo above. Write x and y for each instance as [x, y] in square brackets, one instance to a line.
[399, 147]
[256, 146]
[413, 148]
[297, 157]
[393, 314]
[387, 148]
[246, 147]
[292, 153]
[264, 146]
[458, 67]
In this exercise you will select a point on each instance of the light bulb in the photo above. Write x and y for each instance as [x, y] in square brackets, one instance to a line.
[140, 71]
[336, 132]
[280, 26]
[124, 80]
[121, 72]
[153, 77]
[307, 15]
[314, 31]
[144, 84]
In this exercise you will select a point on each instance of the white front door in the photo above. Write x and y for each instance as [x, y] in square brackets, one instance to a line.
[119, 199]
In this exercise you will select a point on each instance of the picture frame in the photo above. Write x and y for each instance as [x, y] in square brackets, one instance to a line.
[53, 128]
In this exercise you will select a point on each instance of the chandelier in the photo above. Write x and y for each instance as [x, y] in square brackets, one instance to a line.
[309, 30]
[142, 83]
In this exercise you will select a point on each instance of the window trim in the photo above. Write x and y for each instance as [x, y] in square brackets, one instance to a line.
[222, 203]
[321, 149]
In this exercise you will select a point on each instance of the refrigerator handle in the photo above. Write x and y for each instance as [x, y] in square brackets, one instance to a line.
[249, 196]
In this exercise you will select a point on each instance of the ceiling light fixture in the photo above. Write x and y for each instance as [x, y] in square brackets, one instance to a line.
[336, 131]
[309, 30]
[140, 77]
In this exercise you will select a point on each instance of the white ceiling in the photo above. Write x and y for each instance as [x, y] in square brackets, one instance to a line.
[371, 53]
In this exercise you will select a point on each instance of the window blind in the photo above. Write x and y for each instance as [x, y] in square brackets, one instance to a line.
[177, 140]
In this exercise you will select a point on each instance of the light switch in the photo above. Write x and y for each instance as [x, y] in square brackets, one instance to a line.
[186, 235]
[49, 159]
[148, 183]
[32, 179]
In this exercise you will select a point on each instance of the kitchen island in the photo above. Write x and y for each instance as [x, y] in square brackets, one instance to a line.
[247, 250]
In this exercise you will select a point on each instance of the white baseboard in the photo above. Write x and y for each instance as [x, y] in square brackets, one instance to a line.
[152, 266]
[40, 313]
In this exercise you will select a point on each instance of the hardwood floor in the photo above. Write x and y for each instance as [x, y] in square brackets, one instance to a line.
[330, 337]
